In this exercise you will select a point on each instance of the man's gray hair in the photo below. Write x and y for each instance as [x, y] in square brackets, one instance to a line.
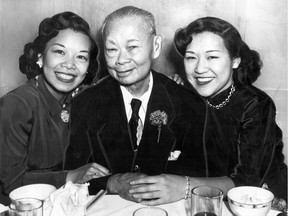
[129, 11]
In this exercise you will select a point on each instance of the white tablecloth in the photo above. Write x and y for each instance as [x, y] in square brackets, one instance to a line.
[114, 205]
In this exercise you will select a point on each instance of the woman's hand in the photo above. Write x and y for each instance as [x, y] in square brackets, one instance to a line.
[161, 189]
[86, 173]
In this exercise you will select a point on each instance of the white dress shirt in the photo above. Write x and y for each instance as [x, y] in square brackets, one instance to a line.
[127, 97]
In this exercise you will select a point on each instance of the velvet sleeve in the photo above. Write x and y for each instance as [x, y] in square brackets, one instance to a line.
[259, 148]
[16, 120]
[16, 123]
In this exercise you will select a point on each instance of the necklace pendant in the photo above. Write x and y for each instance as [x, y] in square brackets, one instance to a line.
[65, 116]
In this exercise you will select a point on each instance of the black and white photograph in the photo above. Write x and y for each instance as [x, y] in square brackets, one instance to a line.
[143, 107]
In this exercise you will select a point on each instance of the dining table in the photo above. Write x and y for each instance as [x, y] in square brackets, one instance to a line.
[114, 205]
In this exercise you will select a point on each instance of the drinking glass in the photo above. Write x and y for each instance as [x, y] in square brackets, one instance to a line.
[26, 207]
[150, 211]
[206, 201]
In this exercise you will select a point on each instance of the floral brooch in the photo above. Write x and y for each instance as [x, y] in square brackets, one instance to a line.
[65, 114]
[158, 119]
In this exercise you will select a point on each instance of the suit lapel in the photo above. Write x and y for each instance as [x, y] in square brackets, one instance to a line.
[149, 147]
[110, 130]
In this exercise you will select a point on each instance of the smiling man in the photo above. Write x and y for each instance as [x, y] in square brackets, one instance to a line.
[135, 119]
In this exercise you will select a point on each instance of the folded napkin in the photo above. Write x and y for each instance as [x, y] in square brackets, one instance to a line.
[69, 200]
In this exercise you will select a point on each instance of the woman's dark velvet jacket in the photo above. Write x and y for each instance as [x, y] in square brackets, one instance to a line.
[33, 138]
[242, 141]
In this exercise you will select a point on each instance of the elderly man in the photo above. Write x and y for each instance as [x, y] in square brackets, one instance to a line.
[134, 121]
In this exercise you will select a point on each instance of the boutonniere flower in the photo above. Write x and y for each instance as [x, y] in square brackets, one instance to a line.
[158, 119]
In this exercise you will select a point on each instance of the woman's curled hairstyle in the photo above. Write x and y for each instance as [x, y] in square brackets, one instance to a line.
[48, 29]
[250, 67]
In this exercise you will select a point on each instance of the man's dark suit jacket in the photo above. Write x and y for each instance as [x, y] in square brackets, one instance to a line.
[100, 130]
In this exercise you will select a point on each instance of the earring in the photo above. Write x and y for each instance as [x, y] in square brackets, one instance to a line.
[236, 63]
[36, 80]
[39, 63]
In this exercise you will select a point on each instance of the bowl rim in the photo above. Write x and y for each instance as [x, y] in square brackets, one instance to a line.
[30, 185]
[150, 207]
[251, 205]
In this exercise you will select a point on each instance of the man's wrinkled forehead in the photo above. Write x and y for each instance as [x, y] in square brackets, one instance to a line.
[140, 23]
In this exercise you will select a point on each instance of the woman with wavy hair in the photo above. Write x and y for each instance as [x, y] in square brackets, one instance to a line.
[34, 118]
[242, 140]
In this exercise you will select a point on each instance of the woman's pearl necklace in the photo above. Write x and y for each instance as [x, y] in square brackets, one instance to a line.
[219, 106]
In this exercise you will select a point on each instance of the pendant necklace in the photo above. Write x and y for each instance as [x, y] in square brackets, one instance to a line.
[65, 116]
[65, 113]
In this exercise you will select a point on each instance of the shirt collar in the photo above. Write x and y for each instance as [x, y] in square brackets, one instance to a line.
[127, 97]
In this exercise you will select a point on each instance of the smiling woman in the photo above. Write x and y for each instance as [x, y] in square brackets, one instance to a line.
[208, 65]
[65, 61]
[34, 129]
[243, 143]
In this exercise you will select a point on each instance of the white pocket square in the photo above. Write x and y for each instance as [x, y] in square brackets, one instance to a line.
[174, 155]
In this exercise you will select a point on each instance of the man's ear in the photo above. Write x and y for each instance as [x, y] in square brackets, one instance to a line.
[157, 45]
[40, 61]
[236, 62]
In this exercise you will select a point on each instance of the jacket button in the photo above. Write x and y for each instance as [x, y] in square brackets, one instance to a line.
[136, 168]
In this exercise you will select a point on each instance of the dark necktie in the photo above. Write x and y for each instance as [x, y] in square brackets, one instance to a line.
[133, 123]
